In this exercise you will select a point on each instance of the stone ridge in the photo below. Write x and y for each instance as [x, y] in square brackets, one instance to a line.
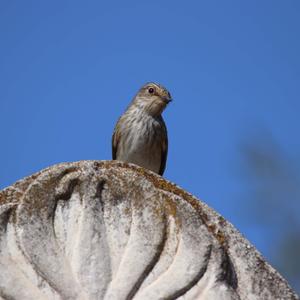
[111, 230]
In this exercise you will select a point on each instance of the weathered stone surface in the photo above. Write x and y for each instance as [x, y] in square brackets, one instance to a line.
[108, 230]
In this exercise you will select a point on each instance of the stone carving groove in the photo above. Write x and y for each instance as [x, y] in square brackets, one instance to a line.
[108, 230]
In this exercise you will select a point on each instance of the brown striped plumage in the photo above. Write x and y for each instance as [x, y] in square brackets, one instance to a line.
[140, 135]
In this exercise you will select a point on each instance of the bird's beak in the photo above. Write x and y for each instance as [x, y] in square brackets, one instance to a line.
[167, 99]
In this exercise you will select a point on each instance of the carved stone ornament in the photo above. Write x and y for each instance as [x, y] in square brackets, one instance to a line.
[110, 230]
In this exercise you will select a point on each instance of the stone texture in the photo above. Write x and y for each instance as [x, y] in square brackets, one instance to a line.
[109, 230]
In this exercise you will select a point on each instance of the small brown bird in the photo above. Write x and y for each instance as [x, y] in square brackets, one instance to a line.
[140, 136]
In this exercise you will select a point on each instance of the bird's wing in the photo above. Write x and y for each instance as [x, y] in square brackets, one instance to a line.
[164, 149]
[115, 141]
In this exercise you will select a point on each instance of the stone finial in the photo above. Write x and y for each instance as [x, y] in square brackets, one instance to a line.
[109, 230]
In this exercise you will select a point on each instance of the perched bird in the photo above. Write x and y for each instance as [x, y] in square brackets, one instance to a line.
[140, 135]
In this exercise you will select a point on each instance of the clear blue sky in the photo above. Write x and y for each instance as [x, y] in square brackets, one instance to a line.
[68, 69]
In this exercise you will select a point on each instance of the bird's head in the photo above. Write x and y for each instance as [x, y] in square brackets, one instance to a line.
[152, 98]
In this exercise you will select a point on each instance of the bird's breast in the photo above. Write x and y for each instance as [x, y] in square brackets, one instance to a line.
[141, 144]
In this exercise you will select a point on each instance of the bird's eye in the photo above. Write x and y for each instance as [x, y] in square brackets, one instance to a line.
[151, 90]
